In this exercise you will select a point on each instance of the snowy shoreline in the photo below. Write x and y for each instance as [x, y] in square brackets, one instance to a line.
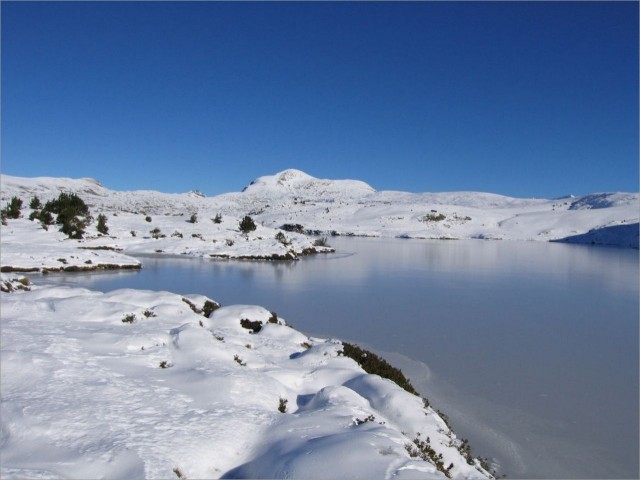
[287, 208]
[133, 384]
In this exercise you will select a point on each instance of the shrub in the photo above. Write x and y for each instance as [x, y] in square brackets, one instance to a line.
[321, 242]
[433, 217]
[247, 224]
[73, 227]
[13, 208]
[423, 450]
[254, 326]
[229, 242]
[193, 218]
[239, 361]
[209, 307]
[371, 363]
[72, 213]
[149, 313]
[164, 364]
[292, 227]
[35, 203]
[282, 239]
[282, 405]
[156, 233]
[177, 234]
[102, 224]
[148, 218]
[129, 318]
[217, 219]
[133, 233]
[3, 216]
[46, 219]
[273, 318]
[35, 215]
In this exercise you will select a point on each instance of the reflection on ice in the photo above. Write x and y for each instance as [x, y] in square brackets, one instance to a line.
[524, 341]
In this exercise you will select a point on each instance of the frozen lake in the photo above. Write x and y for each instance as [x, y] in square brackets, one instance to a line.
[530, 348]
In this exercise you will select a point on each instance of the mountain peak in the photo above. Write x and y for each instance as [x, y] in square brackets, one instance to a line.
[297, 182]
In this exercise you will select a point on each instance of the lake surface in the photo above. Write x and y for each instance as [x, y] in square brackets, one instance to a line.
[530, 348]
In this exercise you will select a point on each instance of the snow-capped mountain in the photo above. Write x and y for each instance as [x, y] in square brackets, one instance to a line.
[352, 207]
[293, 182]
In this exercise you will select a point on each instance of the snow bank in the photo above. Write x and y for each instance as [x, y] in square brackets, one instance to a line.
[133, 384]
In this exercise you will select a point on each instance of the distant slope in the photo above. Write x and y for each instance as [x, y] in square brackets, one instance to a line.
[352, 207]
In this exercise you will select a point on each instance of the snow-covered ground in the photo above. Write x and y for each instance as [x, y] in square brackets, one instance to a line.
[143, 384]
[308, 205]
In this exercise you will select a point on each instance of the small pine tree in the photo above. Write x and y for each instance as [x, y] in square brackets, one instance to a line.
[247, 224]
[13, 208]
[217, 219]
[35, 203]
[102, 224]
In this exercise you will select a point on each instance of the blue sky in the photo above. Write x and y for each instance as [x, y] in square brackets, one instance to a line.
[530, 99]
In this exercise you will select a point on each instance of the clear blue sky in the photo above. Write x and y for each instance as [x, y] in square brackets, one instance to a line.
[531, 99]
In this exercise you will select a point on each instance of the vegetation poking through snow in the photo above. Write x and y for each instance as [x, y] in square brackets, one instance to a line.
[179, 474]
[247, 224]
[209, 307]
[372, 363]
[321, 242]
[35, 203]
[254, 326]
[292, 227]
[102, 224]
[129, 318]
[12, 210]
[217, 219]
[422, 449]
[157, 233]
[282, 405]
[281, 237]
[433, 217]
[239, 361]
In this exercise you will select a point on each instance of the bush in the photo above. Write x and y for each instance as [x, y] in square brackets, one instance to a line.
[72, 214]
[217, 219]
[35, 203]
[74, 227]
[129, 318]
[13, 208]
[371, 363]
[102, 224]
[46, 219]
[156, 233]
[282, 405]
[321, 242]
[209, 307]
[247, 224]
[148, 218]
[282, 239]
[433, 217]
[194, 218]
[292, 227]
[254, 326]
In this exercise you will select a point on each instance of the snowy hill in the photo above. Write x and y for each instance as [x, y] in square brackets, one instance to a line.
[296, 183]
[311, 205]
[142, 384]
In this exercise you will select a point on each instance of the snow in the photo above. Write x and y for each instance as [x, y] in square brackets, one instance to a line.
[84, 395]
[326, 207]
